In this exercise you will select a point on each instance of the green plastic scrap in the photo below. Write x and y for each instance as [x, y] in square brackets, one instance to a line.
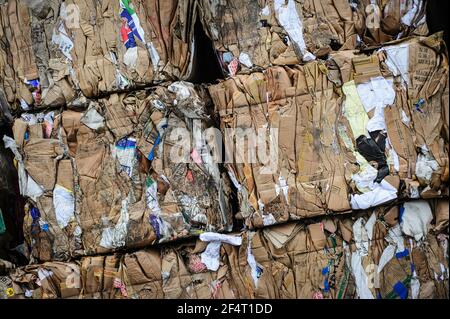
[2, 223]
[343, 284]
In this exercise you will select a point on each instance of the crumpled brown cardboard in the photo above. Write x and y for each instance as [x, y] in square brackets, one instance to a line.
[314, 263]
[75, 49]
[315, 150]
[108, 178]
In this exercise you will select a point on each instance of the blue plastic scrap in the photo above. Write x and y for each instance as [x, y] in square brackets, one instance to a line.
[155, 223]
[151, 155]
[326, 285]
[418, 105]
[35, 214]
[125, 143]
[401, 290]
[400, 213]
[402, 254]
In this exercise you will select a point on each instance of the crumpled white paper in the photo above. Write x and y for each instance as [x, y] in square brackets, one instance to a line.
[27, 186]
[64, 203]
[114, 237]
[288, 18]
[211, 256]
[416, 219]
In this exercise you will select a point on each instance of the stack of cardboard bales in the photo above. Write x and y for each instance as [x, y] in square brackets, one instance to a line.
[109, 178]
[65, 52]
[115, 152]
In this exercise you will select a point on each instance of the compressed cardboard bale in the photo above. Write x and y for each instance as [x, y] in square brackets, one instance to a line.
[259, 34]
[63, 52]
[426, 76]
[181, 164]
[17, 59]
[411, 119]
[250, 35]
[50, 280]
[339, 134]
[335, 272]
[296, 260]
[118, 175]
[298, 168]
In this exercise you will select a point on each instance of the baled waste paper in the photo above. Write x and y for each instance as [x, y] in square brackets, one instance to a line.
[350, 132]
[118, 175]
[368, 255]
[223, 149]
